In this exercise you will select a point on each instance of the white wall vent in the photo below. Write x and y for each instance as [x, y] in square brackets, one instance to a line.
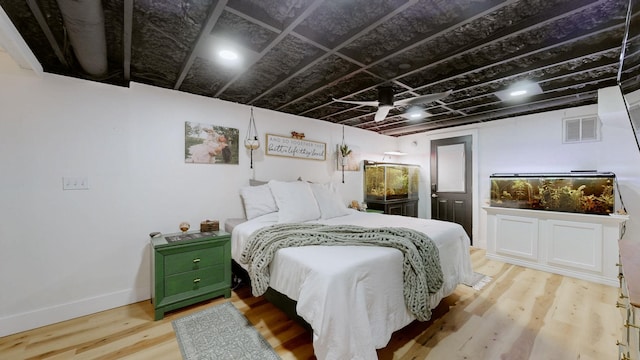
[581, 129]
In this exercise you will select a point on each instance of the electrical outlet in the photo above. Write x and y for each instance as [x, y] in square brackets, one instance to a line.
[75, 183]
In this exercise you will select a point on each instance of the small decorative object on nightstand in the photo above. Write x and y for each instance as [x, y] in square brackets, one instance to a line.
[209, 225]
[188, 268]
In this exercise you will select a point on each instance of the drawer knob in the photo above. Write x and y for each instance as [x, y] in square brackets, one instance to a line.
[197, 280]
[196, 260]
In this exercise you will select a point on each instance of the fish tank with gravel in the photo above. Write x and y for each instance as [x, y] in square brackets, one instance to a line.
[576, 192]
[390, 181]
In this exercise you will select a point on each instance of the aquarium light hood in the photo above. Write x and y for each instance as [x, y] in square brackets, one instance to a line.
[398, 153]
[384, 163]
[573, 173]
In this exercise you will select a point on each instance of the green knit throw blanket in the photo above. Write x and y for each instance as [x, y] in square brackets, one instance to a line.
[421, 265]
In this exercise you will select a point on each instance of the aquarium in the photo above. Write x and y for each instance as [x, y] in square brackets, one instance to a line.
[576, 192]
[390, 181]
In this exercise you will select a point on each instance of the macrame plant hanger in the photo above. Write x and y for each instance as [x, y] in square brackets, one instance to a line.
[251, 141]
[340, 154]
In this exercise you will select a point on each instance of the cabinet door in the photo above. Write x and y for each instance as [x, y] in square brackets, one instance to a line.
[574, 244]
[395, 209]
[517, 236]
[411, 209]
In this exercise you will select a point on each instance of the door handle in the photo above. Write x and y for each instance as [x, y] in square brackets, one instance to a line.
[434, 195]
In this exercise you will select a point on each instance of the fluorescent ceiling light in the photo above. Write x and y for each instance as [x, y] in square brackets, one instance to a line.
[519, 90]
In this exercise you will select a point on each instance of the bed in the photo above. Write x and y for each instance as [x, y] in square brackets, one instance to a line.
[351, 296]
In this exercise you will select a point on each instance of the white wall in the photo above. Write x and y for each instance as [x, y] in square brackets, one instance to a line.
[68, 253]
[534, 144]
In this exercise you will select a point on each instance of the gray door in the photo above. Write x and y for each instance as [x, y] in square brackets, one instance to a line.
[451, 197]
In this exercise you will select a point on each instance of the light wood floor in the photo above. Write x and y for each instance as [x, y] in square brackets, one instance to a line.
[521, 314]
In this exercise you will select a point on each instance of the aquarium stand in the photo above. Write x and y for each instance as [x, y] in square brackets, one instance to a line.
[583, 246]
[404, 207]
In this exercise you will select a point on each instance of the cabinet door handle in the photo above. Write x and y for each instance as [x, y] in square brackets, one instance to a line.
[619, 305]
[197, 280]
[627, 324]
[197, 260]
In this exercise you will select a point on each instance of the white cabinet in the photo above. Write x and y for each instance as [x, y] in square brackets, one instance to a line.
[578, 245]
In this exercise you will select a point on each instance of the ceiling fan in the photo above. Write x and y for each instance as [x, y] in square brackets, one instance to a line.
[385, 101]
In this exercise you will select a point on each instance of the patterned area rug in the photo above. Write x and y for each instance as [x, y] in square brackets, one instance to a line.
[478, 281]
[221, 332]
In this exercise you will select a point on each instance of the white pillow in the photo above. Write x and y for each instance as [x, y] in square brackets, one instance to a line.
[329, 201]
[295, 201]
[258, 200]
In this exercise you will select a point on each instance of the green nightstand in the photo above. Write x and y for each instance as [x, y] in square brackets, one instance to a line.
[375, 211]
[189, 268]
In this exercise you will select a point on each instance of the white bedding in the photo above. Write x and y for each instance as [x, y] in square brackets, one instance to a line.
[352, 296]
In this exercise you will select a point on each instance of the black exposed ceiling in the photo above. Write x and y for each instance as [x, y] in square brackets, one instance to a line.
[303, 53]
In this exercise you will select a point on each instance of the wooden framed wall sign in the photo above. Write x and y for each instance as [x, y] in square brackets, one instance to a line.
[296, 148]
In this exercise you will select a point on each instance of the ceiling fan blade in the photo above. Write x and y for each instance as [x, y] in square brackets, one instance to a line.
[424, 99]
[365, 103]
[382, 112]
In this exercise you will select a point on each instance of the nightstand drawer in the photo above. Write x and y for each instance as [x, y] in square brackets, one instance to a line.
[193, 280]
[193, 260]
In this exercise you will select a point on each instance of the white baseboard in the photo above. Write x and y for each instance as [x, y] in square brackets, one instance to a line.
[53, 314]
[583, 275]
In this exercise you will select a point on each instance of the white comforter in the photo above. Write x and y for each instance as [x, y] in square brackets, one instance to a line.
[352, 296]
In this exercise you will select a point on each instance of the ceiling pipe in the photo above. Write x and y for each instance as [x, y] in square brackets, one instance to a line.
[84, 22]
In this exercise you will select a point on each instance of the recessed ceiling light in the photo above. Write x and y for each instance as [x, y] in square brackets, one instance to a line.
[415, 113]
[518, 92]
[228, 55]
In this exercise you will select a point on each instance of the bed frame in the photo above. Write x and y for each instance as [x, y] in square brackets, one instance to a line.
[281, 301]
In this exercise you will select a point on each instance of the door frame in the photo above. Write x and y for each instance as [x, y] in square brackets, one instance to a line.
[475, 196]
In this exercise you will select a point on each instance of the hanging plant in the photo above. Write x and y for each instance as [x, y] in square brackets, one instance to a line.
[344, 150]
